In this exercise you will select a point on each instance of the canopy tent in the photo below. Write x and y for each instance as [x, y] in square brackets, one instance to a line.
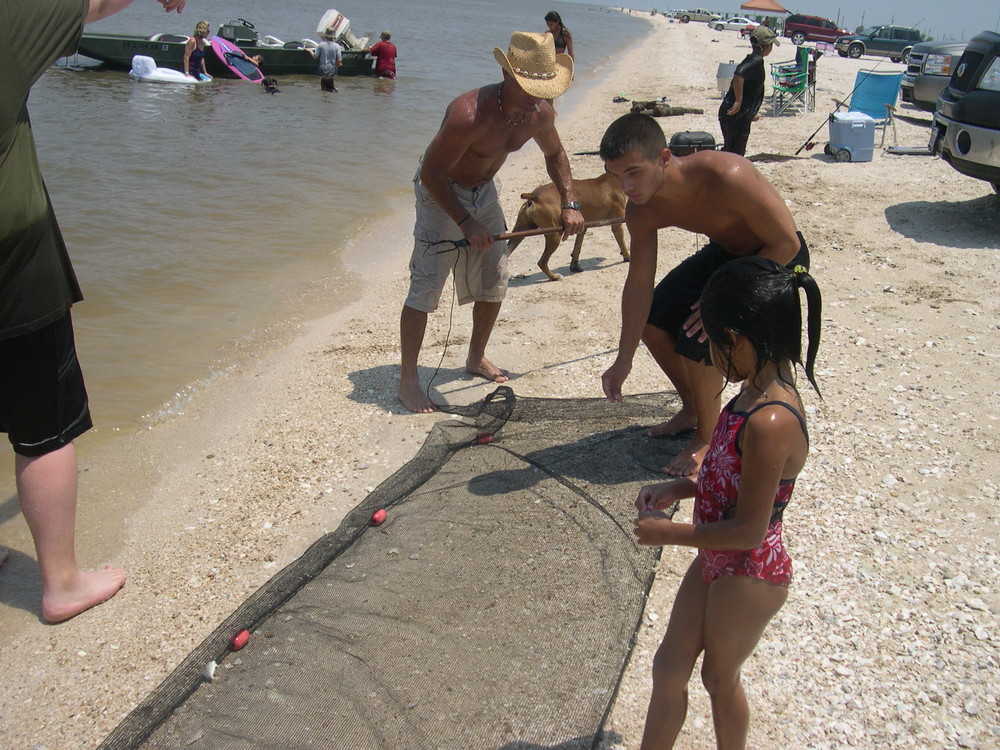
[769, 7]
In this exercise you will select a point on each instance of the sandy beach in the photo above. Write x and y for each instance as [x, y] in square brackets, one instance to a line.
[890, 634]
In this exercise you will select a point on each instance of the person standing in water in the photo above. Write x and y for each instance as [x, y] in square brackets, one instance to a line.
[560, 34]
[194, 53]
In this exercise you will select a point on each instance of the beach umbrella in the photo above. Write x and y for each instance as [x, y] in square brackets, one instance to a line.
[770, 7]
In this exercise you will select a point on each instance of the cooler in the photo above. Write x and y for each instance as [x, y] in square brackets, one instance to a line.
[852, 136]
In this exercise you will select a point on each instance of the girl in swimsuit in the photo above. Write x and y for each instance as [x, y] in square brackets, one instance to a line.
[751, 312]
[560, 34]
[194, 53]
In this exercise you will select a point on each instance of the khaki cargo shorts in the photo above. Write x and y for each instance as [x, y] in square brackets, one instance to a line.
[479, 275]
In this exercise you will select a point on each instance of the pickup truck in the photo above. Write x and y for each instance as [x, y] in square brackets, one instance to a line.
[928, 72]
[966, 129]
[698, 14]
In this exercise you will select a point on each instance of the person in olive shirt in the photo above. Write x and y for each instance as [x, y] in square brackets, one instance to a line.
[43, 399]
[741, 104]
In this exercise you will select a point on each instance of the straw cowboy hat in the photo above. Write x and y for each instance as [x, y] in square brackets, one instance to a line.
[532, 60]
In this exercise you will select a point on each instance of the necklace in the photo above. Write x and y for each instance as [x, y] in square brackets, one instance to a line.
[504, 114]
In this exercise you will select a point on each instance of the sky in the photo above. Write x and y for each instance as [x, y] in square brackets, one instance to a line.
[941, 19]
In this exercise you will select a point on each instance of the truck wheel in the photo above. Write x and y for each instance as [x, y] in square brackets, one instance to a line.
[842, 54]
[905, 58]
[719, 27]
[842, 155]
[685, 19]
[798, 38]
[855, 51]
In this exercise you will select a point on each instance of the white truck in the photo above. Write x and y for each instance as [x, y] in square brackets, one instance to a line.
[698, 14]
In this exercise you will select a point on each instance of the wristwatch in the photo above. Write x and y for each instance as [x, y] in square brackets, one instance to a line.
[571, 206]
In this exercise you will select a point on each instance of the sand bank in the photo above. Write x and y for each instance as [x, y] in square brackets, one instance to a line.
[889, 638]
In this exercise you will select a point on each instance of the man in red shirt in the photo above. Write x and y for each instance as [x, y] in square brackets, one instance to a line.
[384, 53]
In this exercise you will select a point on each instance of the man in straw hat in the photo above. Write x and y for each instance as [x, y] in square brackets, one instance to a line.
[457, 199]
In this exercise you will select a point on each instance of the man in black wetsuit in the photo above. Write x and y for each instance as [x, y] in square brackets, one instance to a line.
[742, 102]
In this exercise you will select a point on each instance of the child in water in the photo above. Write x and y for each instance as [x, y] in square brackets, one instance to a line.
[739, 580]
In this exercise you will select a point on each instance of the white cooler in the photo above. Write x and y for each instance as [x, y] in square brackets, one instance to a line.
[852, 136]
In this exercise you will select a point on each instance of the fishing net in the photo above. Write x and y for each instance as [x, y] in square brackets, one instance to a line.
[496, 607]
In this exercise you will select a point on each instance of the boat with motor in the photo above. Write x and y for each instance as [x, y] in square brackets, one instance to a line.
[279, 57]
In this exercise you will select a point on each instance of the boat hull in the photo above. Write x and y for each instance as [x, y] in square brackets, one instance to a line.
[117, 50]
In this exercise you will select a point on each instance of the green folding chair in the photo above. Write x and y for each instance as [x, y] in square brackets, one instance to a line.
[793, 83]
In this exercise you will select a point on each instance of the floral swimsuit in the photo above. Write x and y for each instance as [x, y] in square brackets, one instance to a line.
[717, 491]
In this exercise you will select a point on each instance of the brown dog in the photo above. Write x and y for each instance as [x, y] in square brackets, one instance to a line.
[600, 198]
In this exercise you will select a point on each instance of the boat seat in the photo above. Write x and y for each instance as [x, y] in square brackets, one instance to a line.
[169, 38]
[293, 45]
[271, 41]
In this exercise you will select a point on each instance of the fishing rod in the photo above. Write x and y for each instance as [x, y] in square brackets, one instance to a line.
[809, 143]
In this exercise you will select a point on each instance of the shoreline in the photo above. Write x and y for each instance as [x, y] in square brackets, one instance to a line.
[888, 578]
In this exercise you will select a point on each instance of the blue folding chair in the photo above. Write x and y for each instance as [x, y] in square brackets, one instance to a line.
[875, 94]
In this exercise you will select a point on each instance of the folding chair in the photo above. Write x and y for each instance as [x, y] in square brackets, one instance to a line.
[875, 94]
[793, 83]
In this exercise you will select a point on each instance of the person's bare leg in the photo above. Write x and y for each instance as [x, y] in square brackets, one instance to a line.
[484, 316]
[661, 346]
[412, 324]
[674, 662]
[46, 490]
[706, 387]
[737, 611]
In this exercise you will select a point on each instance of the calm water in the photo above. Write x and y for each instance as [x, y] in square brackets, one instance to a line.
[204, 222]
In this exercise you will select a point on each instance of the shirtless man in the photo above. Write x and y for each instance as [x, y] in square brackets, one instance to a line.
[717, 194]
[457, 199]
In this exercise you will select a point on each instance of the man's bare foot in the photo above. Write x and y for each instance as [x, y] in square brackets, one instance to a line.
[92, 587]
[688, 461]
[685, 419]
[486, 369]
[415, 398]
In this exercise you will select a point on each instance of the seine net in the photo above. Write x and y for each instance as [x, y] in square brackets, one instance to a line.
[496, 607]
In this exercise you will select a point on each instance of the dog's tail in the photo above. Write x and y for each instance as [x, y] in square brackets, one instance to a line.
[525, 219]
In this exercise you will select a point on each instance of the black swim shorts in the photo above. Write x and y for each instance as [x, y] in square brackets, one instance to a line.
[43, 399]
[682, 287]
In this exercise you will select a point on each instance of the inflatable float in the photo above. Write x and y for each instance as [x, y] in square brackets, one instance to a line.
[144, 69]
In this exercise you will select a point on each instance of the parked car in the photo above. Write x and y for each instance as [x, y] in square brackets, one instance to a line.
[966, 129]
[894, 42]
[928, 71]
[801, 29]
[698, 14]
[736, 23]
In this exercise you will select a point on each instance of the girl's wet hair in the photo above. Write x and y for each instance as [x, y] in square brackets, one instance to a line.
[758, 299]
[633, 132]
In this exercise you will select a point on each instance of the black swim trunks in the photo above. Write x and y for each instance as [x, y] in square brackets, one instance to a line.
[682, 287]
